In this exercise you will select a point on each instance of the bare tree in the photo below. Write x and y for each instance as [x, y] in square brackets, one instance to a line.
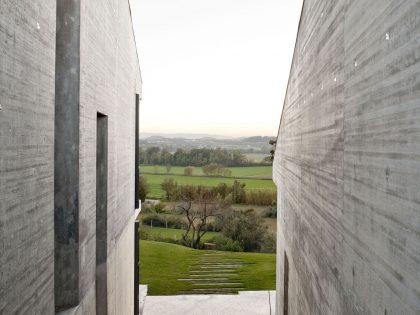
[199, 205]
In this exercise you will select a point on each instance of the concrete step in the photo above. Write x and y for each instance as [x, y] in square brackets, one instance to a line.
[205, 302]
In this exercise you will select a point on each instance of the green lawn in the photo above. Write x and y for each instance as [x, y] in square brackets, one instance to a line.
[263, 172]
[156, 191]
[156, 233]
[161, 264]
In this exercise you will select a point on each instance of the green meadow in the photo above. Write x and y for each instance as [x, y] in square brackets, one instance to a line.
[156, 191]
[262, 172]
[163, 264]
[157, 233]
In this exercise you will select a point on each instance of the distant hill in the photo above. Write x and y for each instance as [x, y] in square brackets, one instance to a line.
[256, 139]
[172, 142]
[144, 135]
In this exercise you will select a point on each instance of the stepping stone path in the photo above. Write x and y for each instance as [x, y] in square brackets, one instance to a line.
[214, 273]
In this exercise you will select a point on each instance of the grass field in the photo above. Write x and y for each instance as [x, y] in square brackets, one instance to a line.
[156, 191]
[256, 157]
[162, 264]
[263, 172]
[175, 234]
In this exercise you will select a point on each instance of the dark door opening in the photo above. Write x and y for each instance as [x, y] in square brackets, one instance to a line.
[137, 151]
[101, 213]
[136, 267]
[286, 285]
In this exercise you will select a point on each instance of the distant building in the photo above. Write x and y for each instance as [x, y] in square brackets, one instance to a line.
[347, 163]
[70, 86]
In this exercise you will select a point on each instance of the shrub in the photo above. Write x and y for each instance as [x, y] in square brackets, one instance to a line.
[269, 243]
[212, 227]
[143, 234]
[159, 208]
[270, 212]
[224, 243]
[227, 173]
[222, 190]
[246, 227]
[260, 197]
[168, 168]
[238, 192]
[147, 210]
[170, 187]
[158, 220]
[214, 169]
[167, 240]
[187, 192]
[144, 188]
[148, 237]
[188, 171]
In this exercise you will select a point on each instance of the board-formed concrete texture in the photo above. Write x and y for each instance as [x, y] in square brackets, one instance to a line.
[90, 68]
[347, 163]
[27, 79]
[109, 81]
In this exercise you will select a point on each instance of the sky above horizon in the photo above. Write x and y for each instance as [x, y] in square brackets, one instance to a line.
[215, 67]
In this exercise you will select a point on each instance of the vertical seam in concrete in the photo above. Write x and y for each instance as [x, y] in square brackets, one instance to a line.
[66, 155]
[136, 154]
[101, 213]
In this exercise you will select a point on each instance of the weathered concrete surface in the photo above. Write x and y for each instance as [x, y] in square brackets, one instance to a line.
[142, 297]
[101, 214]
[347, 162]
[27, 71]
[101, 75]
[66, 155]
[109, 81]
[246, 303]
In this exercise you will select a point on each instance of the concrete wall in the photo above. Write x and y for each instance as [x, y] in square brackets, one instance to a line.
[104, 68]
[66, 155]
[109, 81]
[347, 162]
[27, 71]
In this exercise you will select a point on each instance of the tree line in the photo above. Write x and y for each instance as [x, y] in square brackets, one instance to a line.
[203, 209]
[235, 193]
[194, 157]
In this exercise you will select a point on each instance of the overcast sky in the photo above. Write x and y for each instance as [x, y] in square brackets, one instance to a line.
[214, 66]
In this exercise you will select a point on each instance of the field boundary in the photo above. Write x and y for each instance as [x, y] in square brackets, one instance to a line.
[223, 177]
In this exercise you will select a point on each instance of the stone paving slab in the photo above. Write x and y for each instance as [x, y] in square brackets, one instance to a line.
[207, 291]
[252, 303]
[219, 267]
[203, 279]
[216, 273]
[237, 265]
[216, 284]
[216, 290]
